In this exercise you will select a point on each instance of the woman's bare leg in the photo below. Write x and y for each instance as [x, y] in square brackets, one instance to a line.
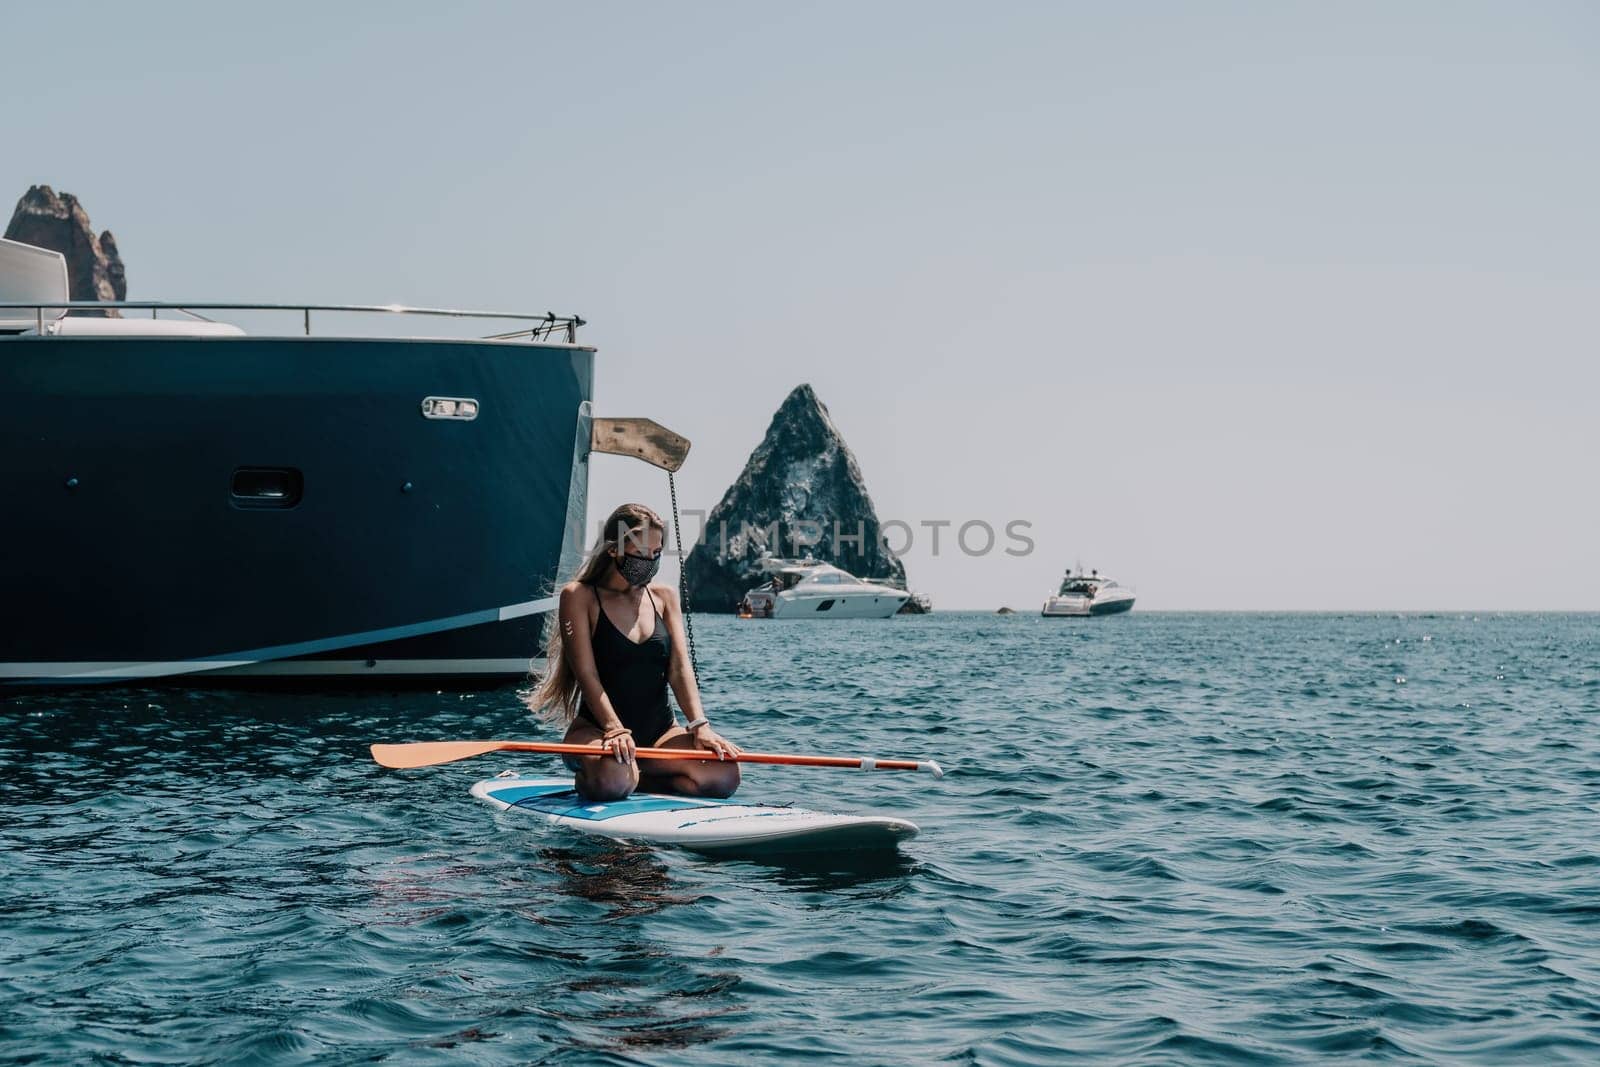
[692, 778]
[599, 778]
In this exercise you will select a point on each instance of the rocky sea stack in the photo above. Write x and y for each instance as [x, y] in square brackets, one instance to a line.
[801, 494]
[57, 221]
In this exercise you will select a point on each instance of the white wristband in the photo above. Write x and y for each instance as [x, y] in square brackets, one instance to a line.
[696, 724]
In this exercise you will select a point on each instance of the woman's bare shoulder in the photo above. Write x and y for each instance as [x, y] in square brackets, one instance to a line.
[665, 593]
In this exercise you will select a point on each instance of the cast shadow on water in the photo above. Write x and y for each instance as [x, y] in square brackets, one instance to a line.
[650, 993]
[635, 879]
[631, 989]
[861, 874]
[639, 993]
[628, 880]
[584, 936]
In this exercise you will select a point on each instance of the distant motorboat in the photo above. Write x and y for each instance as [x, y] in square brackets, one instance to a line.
[1083, 595]
[807, 589]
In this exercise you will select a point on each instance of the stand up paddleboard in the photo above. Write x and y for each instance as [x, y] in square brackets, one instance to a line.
[700, 824]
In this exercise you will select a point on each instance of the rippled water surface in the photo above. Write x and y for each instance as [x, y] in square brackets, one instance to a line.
[1163, 838]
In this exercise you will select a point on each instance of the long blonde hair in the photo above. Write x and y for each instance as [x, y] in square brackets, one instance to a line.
[557, 695]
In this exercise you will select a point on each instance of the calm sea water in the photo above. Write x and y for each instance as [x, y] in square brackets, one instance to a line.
[1163, 839]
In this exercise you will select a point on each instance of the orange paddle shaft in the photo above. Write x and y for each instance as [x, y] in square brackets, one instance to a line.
[430, 753]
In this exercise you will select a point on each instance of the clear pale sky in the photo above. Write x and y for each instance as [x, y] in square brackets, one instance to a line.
[1270, 305]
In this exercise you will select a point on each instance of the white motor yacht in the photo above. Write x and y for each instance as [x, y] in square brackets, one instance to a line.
[1088, 594]
[806, 589]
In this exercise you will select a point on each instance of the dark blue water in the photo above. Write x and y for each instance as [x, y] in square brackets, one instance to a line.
[1164, 839]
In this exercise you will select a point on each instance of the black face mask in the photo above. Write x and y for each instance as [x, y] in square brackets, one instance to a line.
[637, 570]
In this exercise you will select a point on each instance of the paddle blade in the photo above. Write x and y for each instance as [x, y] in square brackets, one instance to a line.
[430, 753]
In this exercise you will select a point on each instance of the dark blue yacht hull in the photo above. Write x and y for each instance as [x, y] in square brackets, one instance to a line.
[214, 510]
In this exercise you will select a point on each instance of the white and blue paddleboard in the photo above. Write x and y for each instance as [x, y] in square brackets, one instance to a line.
[697, 823]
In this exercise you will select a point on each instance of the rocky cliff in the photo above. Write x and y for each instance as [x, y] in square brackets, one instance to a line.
[801, 494]
[58, 222]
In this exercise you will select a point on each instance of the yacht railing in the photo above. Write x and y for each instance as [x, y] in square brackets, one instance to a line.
[546, 327]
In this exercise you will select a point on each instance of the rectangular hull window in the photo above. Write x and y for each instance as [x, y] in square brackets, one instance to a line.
[267, 487]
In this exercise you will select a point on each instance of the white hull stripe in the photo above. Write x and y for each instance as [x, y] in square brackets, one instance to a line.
[108, 671]
[316, 668]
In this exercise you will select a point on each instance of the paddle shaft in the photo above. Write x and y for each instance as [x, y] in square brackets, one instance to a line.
[861, 762]
[430, 753]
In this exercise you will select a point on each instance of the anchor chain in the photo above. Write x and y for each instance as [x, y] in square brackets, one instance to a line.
[683, 578]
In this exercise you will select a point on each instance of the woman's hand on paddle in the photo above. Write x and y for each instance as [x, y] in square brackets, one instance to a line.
[620, 746]
[707, 738]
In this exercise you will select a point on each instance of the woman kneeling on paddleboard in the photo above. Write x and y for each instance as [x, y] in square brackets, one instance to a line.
[617, 646]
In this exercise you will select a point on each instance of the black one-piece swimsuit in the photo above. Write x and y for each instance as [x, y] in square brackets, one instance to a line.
[633, 675]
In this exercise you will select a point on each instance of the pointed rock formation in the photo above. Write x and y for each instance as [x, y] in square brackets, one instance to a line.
[801, 494]
[58, 222]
